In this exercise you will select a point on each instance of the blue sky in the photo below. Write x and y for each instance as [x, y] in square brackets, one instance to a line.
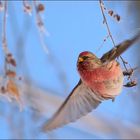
[74, 26]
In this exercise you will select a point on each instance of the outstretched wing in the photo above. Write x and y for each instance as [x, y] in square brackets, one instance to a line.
[119, 49]
[80, 102]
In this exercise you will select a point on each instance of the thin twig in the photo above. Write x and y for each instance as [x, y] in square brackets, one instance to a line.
[109, 32]
[42, 29]
[105, 21]
[27, 7]
[103, 43]
[4, 39]
[1, 6]
[24, 3]
[9, 83]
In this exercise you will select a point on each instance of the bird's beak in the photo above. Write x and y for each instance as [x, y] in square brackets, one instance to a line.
[80, 59]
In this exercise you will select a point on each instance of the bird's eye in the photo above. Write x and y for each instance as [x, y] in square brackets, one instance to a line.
[81, 59]
[85, 57]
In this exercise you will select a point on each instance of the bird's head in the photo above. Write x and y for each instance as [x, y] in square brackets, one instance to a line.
[88, 60]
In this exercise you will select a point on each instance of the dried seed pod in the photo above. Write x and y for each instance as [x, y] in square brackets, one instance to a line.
[12, 88]
[14, 93]
[9, 55]
[27, 9]
[117, 17]
[110, 12]
[40, 7]
[131, 84]
[11, 74]
[128, 72]
[3, 89]
[13, 62]
[10, 60]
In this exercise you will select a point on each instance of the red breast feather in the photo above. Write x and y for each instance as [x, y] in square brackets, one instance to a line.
[106, 80]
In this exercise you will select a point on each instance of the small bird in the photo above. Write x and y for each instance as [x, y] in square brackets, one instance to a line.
[100, 79]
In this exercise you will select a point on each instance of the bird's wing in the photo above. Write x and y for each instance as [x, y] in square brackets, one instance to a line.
[119, 49]
[80, 102]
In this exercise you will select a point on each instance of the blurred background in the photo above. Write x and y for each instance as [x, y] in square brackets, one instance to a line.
[48, 77]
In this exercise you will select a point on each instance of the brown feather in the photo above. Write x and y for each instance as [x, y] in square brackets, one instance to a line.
[119, 49]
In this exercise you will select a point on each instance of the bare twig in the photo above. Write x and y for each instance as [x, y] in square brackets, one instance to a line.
[129, 72]
[8, 56]
[4, 39]
[1, 6]
[40, 25]
[108, 29]
[8, 87]
[110, 35]
[27, 7]
[103, 42]
[105, 21]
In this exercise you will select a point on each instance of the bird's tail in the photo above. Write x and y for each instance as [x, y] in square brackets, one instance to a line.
[119, 49]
